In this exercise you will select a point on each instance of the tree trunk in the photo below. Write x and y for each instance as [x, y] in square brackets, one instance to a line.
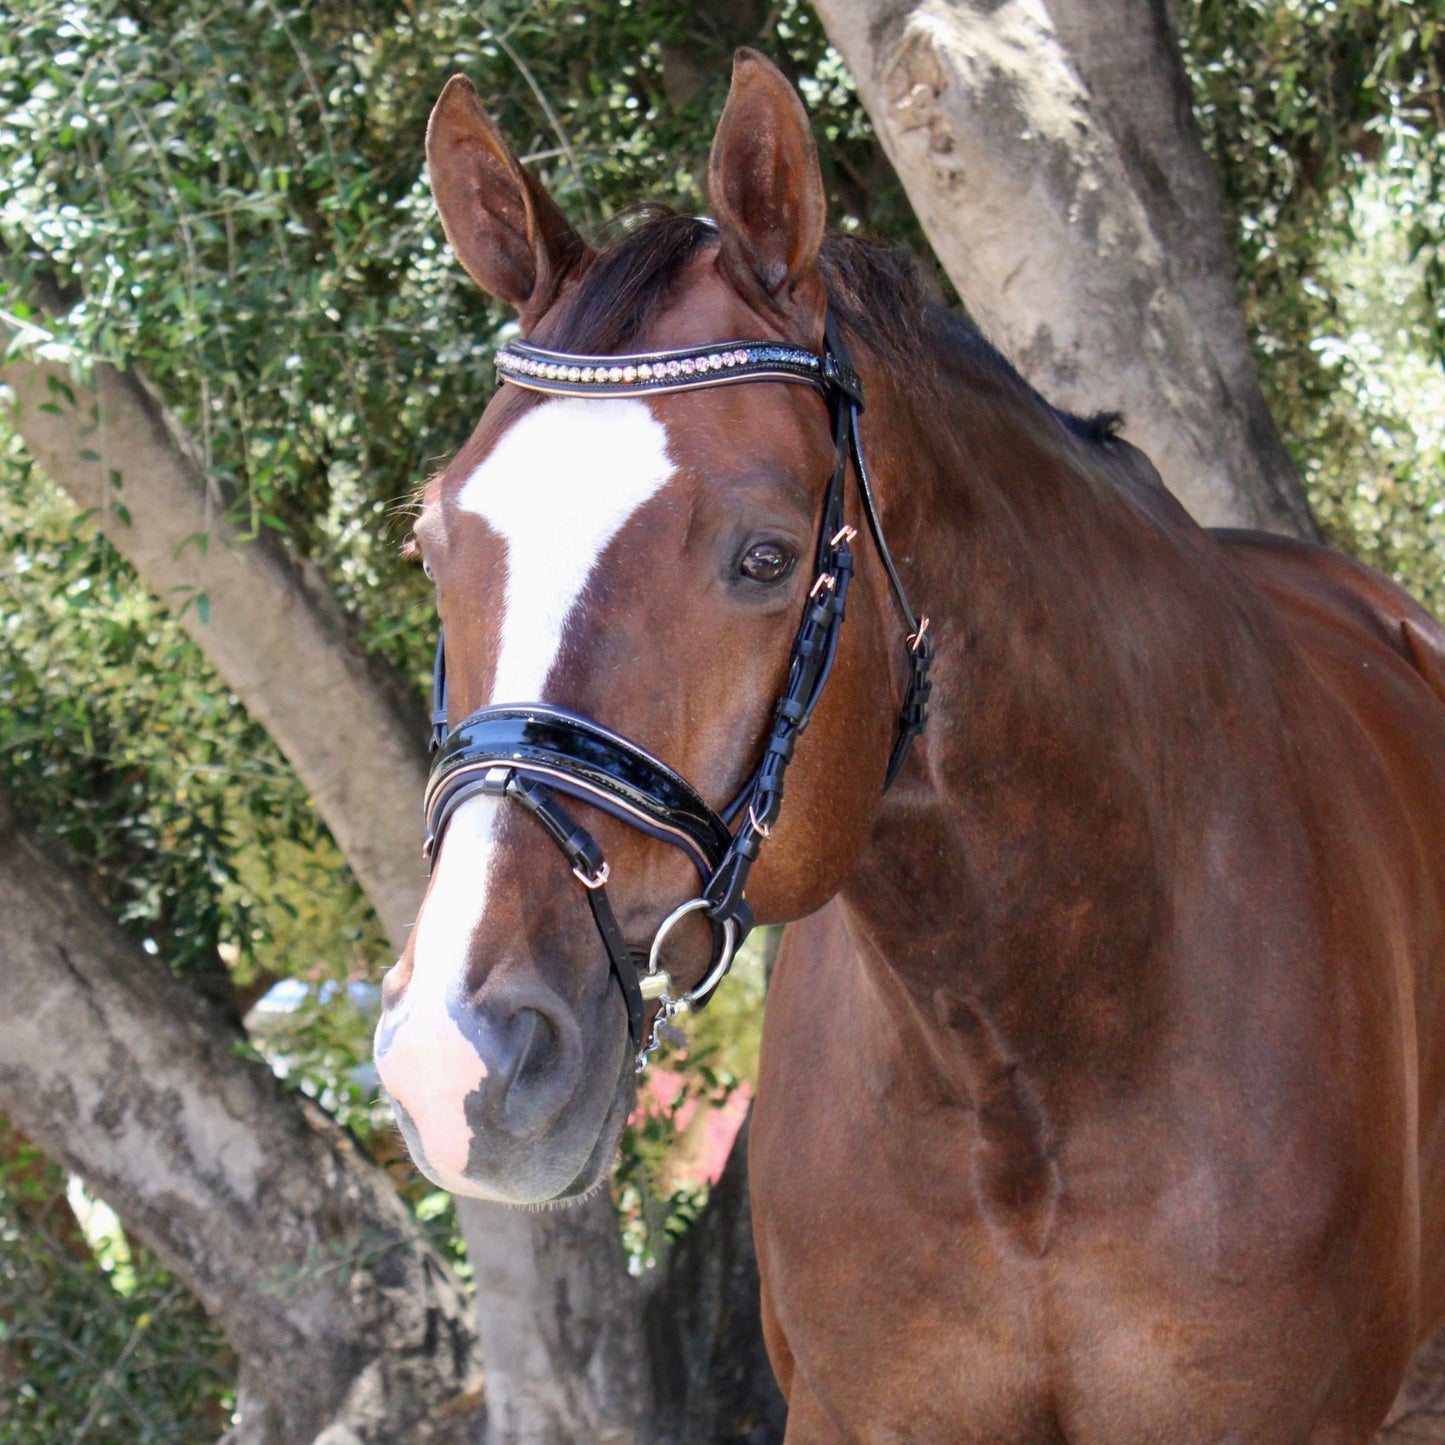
[675, 1358]
[346, 1317]
[703, 1316]
[1050, 152]
[582, 1375]
[350, 727]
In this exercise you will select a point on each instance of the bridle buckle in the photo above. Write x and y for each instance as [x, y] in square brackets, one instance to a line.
[597, 879]
[760, 825]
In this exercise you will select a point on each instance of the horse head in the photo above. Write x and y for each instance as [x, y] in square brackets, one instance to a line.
[630, 570]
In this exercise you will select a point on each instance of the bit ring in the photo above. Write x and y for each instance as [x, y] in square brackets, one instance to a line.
[730, 935]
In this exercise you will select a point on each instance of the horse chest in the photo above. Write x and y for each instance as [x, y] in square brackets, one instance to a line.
[928, 1313]
[958, 1275]
[884, 1325]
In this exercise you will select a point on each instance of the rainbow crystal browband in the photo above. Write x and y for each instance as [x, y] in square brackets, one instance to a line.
[566, 373]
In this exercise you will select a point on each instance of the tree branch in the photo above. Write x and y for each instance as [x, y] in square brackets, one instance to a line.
[1051, 158]
[343, 1312]
[351, 729]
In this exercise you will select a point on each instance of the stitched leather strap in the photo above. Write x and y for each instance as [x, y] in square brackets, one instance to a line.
[577, 756]
[579, 848]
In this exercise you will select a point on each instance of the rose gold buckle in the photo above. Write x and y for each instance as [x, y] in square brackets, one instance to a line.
[845, 534]
[826, 582]
[595, 882]
[915, 639]
[758, 824]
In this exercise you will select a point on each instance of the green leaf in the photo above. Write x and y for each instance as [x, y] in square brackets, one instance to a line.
[60, 387]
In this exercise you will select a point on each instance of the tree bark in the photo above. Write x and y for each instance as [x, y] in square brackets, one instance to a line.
[703, 1316]
[346, 1317]
[583, 1374]
[351, 728]
[1050, 151]
[674, 1358]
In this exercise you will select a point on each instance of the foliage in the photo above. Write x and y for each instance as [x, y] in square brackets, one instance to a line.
[658, 1200]
[175, 805]
[1326, 123]
[80, 1359]
[235, 198]
[1376, 477]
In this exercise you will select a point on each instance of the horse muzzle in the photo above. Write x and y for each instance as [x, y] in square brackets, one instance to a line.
[504, 1097]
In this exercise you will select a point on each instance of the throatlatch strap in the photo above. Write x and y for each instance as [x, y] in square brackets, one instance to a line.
[817, 643]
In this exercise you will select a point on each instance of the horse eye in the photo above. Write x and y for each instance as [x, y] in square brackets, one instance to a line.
[427, 571]
[766, 562]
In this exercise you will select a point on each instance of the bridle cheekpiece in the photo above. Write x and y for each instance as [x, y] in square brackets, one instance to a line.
[533, 752]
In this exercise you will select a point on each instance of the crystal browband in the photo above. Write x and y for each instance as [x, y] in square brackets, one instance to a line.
[568, 373]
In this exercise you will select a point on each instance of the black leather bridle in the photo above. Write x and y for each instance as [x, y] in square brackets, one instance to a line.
[534, 752]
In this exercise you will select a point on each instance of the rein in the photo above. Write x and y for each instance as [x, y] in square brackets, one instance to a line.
[530, 753]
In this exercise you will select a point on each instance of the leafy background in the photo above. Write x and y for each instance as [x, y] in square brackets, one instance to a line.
[232, 197]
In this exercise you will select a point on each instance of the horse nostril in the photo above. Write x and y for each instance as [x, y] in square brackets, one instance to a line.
[534, 1072]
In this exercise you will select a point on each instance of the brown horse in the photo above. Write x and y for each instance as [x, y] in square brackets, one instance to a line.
[1102, 1081]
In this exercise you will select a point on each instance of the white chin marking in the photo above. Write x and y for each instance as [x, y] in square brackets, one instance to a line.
[557, 489]
[430, 1066]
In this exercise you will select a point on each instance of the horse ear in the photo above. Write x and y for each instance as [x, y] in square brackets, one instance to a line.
[766, 190]
[505, 229]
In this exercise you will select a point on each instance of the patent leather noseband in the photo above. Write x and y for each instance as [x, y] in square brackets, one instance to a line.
[534, 753]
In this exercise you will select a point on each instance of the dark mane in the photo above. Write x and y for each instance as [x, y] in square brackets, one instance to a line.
[883, 295]
[880, 293]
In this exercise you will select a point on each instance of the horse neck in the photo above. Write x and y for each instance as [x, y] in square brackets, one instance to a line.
[1012, 900]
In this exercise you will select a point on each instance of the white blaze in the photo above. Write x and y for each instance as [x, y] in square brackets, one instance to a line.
[430, 1066]
[557, 488]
